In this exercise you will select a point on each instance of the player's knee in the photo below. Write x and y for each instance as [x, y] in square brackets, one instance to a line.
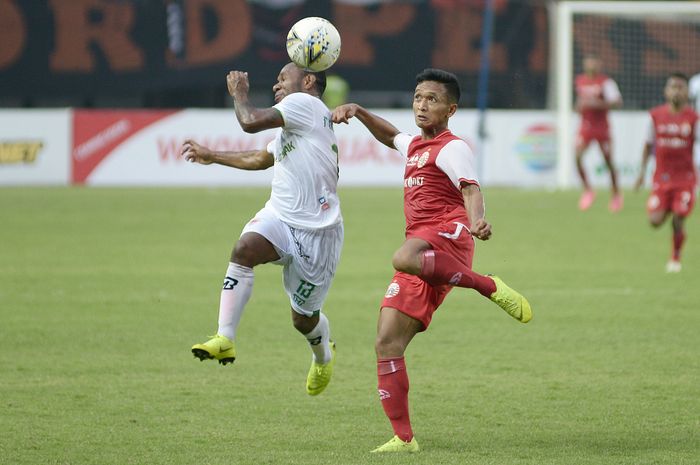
[405, 262]
[656, 222]
[387, 347]
[677, 223]
[244, 254]
[657, 218]
[303, 323]
[398, 261]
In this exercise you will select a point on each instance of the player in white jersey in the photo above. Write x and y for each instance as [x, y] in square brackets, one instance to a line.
[300, 227]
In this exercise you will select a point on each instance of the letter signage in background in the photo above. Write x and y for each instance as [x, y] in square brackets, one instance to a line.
[83, 25]
[232, 31]
[174, 53]
[157, 53]
[13, 33]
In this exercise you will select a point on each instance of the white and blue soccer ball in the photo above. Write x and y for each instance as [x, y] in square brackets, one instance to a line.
[313, 43]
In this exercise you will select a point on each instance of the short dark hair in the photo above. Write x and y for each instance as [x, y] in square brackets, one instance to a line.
[320, 80]
[445, 77]
[679, 75]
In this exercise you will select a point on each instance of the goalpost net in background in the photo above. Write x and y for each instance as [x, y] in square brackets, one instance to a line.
[639, 43]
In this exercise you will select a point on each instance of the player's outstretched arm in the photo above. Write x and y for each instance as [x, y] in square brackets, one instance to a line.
[250, 118]
[474, 203]
[252, 160]
[381, 129]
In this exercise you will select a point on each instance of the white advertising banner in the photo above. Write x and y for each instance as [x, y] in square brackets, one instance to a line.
[519, 148]
[34, 147]
[142, 147]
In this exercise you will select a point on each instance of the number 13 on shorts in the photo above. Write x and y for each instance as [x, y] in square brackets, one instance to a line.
[303, 292]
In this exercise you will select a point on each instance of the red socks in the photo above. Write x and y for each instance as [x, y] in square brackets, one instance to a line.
[393, 392]
[678, 239]
[440, 268]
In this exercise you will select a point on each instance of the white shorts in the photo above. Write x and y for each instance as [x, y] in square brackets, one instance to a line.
[309, 258]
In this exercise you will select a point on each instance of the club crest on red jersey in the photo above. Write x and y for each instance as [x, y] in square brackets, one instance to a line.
[419, 160]
[392, 290]
[423, 159]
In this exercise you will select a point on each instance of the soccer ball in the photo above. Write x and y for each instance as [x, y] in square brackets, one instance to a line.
[313, 43]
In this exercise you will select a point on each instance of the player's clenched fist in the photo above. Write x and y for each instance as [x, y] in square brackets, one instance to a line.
[195, 153]
[343, 113]
[481, 229]
[237, 82]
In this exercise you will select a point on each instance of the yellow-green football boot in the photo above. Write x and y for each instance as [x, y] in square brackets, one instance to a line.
[320, 375]
[218, 347]
[395, 444]
[511, 301]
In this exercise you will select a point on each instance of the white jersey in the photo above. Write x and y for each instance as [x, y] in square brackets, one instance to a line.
[304, 184]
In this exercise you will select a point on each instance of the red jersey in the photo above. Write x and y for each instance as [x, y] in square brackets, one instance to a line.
[598, 87]
[673, 136]
[435, 170]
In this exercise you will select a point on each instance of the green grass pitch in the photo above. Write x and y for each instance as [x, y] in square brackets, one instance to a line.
[103, 291]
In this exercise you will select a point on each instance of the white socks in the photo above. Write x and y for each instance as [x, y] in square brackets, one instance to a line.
[238, 285]
[319, 340]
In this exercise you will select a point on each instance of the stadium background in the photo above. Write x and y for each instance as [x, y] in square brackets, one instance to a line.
[157, 59]
[173, 53]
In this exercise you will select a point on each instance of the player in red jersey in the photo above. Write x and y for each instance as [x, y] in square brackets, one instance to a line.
[444, 211]
[596, 93]
[673, 130]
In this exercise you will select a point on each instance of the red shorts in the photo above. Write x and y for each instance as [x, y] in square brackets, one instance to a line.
[414, 297]
[677, 199]
[584, 138]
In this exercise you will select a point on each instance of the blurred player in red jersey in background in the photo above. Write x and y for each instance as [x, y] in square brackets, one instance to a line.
[673, 130]
[596, 93]
[444, 211]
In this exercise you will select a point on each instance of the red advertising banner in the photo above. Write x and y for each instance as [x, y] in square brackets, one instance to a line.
[97, 132]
